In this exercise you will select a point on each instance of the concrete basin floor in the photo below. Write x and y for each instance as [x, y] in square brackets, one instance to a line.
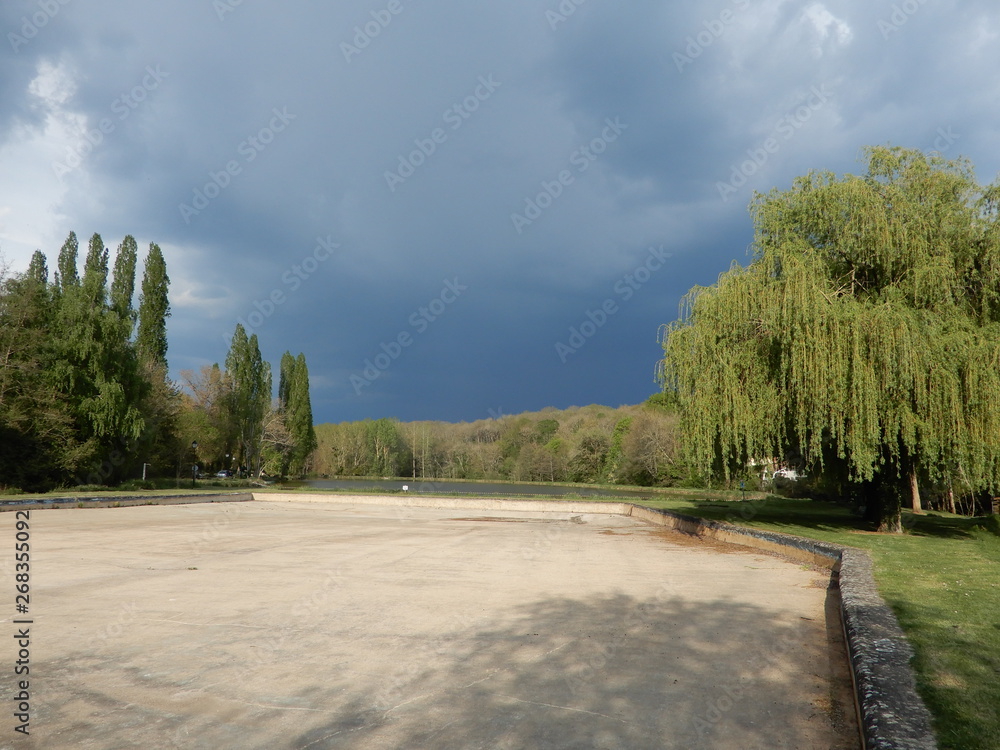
[339, 625]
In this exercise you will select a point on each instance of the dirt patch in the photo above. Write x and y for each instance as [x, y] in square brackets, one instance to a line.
[673, 536]
[497, 519]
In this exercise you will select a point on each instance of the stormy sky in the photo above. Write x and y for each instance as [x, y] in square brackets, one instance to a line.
[455, 209]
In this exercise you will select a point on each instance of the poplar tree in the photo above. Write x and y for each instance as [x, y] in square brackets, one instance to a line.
[66, 272]
[161, 406]
[123, 282]
[286, 371]
[865, 334]
[38, 271]
[294, 402]
[249, 397]
[154, 309]
[94, 284]
[111, 386]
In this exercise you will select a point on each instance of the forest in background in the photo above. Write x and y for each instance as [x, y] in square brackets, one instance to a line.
[636, 444]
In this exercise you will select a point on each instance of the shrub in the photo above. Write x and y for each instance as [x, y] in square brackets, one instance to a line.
[137, 484]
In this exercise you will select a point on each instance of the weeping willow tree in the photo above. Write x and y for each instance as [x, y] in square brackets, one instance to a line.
[864, 335]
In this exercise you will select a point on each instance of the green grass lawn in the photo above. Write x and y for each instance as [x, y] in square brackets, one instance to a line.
[942, 579]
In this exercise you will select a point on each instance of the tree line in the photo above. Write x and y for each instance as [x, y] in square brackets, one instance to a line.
[592, 444]
[85, 396]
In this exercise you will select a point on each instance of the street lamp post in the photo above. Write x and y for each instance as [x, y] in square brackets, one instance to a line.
[194, 466]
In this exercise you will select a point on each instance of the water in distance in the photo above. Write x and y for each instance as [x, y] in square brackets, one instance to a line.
[506, 489]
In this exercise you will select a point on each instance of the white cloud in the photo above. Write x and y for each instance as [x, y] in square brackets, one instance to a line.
[29, 219]
[828, 26]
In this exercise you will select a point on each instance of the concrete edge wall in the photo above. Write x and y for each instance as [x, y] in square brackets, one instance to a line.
[892, 714]
[123, 501]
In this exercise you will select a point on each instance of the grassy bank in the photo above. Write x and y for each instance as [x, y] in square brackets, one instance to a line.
[942, 578]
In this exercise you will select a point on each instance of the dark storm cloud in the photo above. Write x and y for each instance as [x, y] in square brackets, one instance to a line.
[323, 172]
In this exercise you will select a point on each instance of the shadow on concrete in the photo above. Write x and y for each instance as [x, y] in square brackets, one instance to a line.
[597, 672]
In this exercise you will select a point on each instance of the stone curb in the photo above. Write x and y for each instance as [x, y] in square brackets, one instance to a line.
[103, 501]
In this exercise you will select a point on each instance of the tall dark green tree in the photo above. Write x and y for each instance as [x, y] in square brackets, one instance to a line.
[865, 334]
[296, 405]
[66, 272]
[301, 425]
[37, 443]
[154, 309]
[38, 271]
[286, 375]
[96, 369]
[94, 284]
[123, 281]
[160, 444]
[250, 396]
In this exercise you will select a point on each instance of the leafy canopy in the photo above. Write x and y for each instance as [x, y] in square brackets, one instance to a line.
[865, 332]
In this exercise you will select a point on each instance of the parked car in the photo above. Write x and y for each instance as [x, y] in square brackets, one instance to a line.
[786, 474]
[225, 474]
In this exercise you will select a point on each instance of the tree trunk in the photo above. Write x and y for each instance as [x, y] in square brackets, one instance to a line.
[951, 501]
[882, 506]
[892, 521]
[915, 492]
